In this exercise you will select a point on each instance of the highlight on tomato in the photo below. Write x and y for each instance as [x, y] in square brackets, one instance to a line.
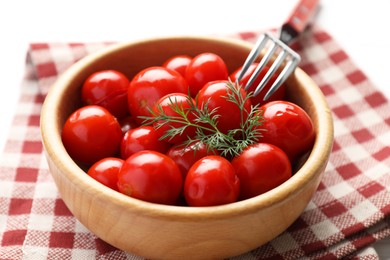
[172, 105]
[215, 96]
[151, 176]
[186, 133]
[204, 68]
[186, 156]
[178, 63]
[270, 167]
[287, 126]
[107, 88]
[106, 171]
[151, 84]
[139, 139]
[91, 133]
[211, 181]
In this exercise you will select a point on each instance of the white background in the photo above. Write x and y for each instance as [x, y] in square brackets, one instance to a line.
[360, 26]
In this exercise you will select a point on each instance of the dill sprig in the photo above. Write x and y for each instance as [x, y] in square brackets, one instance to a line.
[205, 121]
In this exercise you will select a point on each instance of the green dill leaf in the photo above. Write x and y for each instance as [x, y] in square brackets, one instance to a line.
[206, 123]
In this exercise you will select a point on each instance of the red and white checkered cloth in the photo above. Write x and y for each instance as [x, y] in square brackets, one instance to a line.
[348, 213]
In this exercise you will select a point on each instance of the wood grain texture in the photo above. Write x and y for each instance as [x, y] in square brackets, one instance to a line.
[173, 232]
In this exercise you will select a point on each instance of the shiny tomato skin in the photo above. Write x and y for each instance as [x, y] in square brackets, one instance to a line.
[185, 157]
[258, 99]
[204, 68]
[167, 104]
[106, 171]
[215, 94]
[151, 176]
[289, 127]
[211, 181]
[260, 168]
[141, 138]
[91, 133]
[128, 123]
[107, 88]
[178, 63]
[151, 84]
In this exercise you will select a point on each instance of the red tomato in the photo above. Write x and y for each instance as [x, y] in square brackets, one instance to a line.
[106, 171]
[107, 88]
[151, 84]
[91, 133]
[151, 176]
[258, 99]
[185, 157]
[128, 123]
[141, 138]
[287, 126]
[178, 63]
[215, 94]
[260, 168]
[211, 181]
[204, 68]
[167, 104]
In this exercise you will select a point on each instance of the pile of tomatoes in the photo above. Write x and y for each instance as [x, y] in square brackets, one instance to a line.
[109, 135]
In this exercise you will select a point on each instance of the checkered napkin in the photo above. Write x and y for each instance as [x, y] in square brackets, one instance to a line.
[347, 214]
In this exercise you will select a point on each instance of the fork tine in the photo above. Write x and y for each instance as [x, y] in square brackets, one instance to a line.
[252, 56]
[287, 70]
[275, 65]
[267, 56]
[285, 53]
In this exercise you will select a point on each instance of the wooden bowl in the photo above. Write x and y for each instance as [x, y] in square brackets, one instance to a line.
[174, 232]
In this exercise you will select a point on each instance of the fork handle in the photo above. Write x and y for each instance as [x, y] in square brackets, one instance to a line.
[300, 16]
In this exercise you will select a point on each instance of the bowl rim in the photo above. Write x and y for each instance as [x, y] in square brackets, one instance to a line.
[54, 148]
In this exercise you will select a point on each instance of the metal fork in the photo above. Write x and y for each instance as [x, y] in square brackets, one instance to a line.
[290, 30]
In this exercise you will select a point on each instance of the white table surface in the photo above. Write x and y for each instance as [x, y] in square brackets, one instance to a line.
[360, 26]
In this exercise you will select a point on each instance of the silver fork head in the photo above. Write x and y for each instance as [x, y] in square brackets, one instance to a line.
[284, 54]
